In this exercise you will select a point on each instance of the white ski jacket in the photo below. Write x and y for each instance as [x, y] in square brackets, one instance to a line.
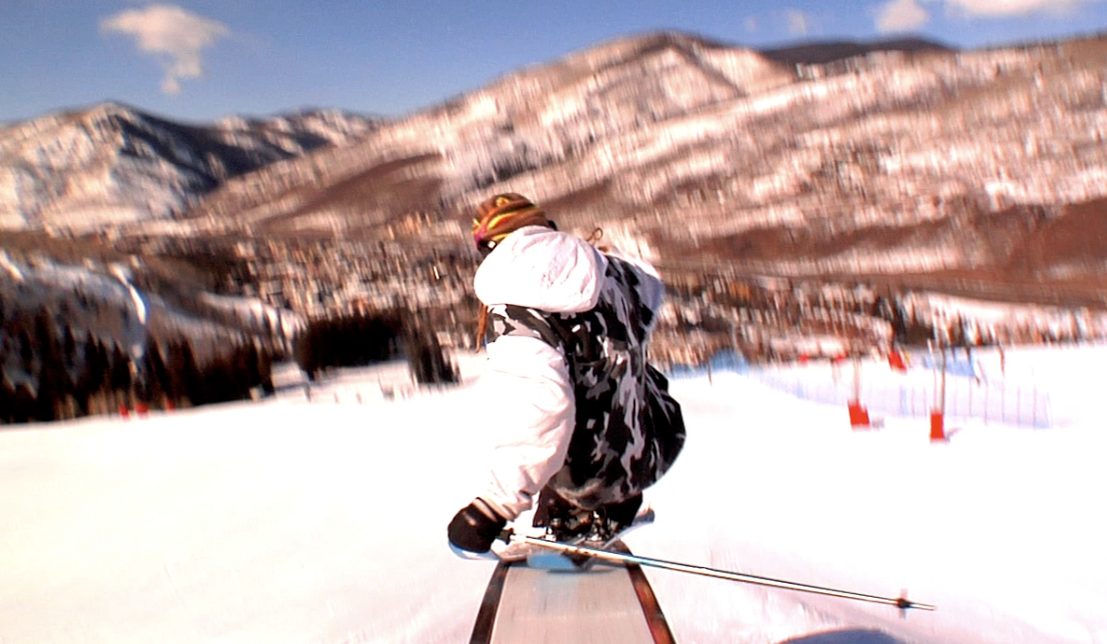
[528, 385]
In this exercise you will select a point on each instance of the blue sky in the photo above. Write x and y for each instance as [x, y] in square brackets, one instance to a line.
[198, 60]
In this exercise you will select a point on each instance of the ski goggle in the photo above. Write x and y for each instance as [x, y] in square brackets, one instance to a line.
[502, 216]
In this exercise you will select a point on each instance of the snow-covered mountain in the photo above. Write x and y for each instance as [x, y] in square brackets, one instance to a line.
[921, 162]
[888, 160]
[110, 164]
[752, 178]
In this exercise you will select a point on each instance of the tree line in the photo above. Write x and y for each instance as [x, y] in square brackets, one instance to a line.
[52, 372]
[55, 373]
[362, 339]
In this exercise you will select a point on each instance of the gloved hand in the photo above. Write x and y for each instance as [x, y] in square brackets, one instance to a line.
[475, 527]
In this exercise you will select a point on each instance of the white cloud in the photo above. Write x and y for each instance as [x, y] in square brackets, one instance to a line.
[905, 15]
[997, 8]
[901, 15]
[176, 36]
[798, 22]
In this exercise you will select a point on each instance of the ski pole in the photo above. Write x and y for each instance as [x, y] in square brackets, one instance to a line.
[899, 602]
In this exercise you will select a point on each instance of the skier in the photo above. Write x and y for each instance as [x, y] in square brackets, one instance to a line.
[585, 423]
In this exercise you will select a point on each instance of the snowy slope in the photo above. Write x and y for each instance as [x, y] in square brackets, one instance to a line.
[324, 521]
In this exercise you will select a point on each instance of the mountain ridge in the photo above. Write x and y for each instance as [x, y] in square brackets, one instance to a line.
[112, 163]
[903, 168]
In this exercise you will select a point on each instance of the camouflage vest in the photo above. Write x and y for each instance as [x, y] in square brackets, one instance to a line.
[628, 430]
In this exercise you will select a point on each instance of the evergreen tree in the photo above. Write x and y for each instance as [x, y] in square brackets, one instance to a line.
[120, 378]
[155, 374]
[174, 377]
[51, 377]
[69, 347]
[306, 351]
[220, 384]
[347, 342]
[247, 365]
[426, 360]
[92, 376]
[265, 371]
[191, 378]
[26, 351]
[23, 404]
[7, 401]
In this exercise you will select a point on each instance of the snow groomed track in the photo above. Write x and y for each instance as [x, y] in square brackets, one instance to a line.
[609, 603]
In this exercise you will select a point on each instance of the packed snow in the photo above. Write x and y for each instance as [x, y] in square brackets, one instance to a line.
[319, 515]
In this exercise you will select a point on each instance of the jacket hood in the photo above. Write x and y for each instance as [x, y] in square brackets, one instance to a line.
[544, 269]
